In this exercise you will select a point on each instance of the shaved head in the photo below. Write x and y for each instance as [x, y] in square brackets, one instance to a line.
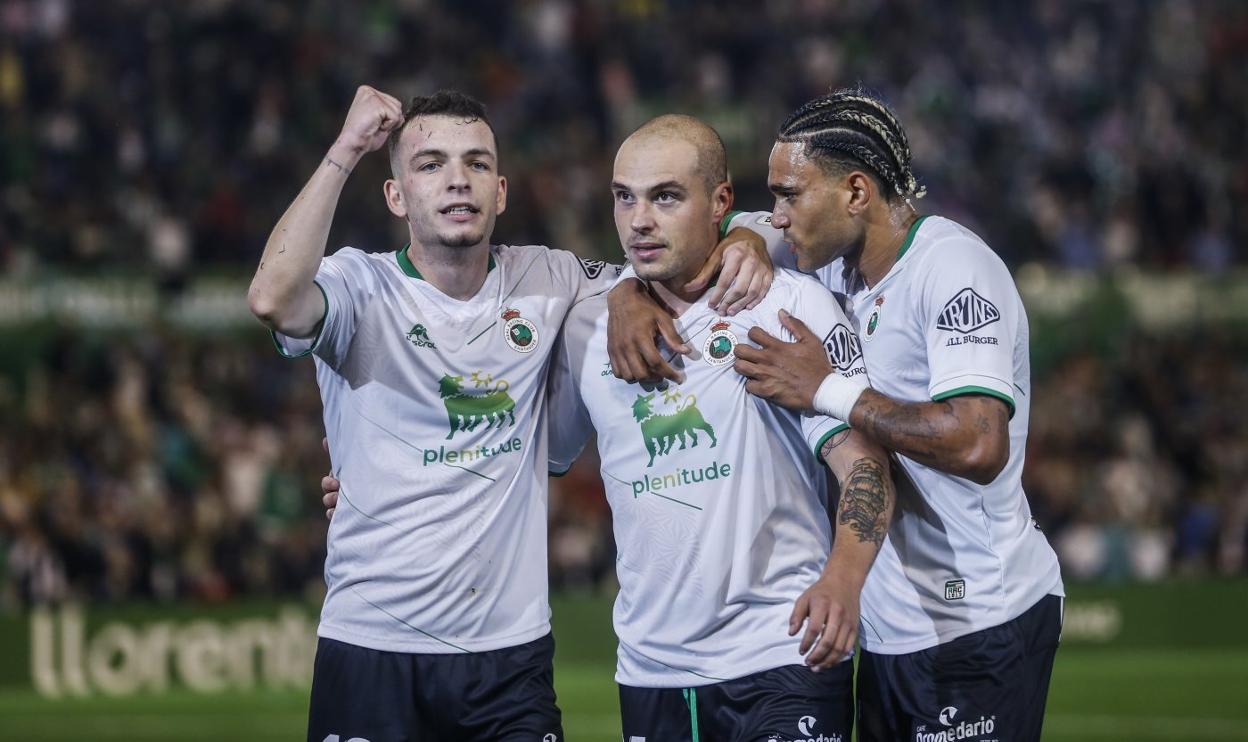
[712, 160]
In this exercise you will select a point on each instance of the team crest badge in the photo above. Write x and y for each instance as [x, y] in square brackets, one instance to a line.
[520, 333]
[718, 348]
[873, 321]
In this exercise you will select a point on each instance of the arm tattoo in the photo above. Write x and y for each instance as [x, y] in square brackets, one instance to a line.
[864, 499]
[342, 169]
[832, 443]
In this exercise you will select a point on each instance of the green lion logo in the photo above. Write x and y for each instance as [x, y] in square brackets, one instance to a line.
[661, 431]
[466, 410]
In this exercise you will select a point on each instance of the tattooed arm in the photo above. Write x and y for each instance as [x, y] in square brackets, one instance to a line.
[967, 436]
[282, 294]
[830, 606]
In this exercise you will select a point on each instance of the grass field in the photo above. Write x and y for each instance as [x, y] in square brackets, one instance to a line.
[1098, 694]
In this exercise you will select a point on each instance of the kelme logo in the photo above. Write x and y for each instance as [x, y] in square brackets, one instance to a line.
[967, 311]
[419, 337]
[661, 431]
[519, 333]
[465, 410]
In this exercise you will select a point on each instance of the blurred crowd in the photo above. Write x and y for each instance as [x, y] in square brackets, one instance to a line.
[169, 137]
[171, 469]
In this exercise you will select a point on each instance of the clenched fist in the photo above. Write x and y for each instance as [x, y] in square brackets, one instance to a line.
[372, 117]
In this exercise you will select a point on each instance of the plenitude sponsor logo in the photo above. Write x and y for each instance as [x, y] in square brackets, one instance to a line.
[681, 477]
[443, 455]
[121, 658]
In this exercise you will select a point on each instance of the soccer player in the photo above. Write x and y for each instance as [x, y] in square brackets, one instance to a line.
[962, 614]
[719, 499]
[432, 362]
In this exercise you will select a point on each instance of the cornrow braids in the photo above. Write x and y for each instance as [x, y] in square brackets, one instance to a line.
[851, 125]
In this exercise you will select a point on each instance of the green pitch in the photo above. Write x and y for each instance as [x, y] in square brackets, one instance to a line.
[1192, 694]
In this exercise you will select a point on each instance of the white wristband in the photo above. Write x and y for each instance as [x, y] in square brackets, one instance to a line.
[838, 394]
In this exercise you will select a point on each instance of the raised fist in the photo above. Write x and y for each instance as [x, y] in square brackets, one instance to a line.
[372, 117]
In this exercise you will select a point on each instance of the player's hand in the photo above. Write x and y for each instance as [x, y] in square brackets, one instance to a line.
[829, 608]
[744, 269]
[373, 115]
[329, 487]
[788, 374]
[635, 321]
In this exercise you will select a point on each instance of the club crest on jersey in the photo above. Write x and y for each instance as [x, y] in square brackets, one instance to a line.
[967, 311]
[519, 333]
[719, 344]
[873, 321]
[843, 347]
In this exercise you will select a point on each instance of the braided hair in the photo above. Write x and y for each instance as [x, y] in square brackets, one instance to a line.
[853, 129]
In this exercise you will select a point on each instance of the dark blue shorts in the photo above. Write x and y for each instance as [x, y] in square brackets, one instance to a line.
[365, 694]
[987, 686]
[782, 705]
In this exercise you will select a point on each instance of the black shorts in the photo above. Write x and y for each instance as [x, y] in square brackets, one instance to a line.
[781, 705]
[986, 686]
[365, 694]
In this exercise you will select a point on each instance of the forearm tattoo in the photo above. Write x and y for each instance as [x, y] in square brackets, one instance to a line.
[864, 501]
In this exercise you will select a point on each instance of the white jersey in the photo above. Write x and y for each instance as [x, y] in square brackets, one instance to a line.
[435, 413]
[946, 320]
[718, 498]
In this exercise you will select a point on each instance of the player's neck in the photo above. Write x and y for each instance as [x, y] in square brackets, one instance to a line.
[882, 244]
[458, 272]
[673, 293]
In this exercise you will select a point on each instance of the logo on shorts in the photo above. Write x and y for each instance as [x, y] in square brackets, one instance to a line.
[806, 728]
[550, 738]
[519, 333]
[843, 347]
[967, 311]
[718, 347]
[955, 590]
[804, 724]
[957, 730]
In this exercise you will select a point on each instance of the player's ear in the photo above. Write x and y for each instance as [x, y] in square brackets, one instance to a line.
[721, 201]
[501, 201]
[394, 198]
[860, 192]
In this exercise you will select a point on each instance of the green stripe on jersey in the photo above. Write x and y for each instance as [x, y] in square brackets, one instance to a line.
[965, 390]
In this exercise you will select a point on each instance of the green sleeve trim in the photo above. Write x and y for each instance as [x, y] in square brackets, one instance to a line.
[824, 438]
[320, 328]
[964, 390]
[726, 222]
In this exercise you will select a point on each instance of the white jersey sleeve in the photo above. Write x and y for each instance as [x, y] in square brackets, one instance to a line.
[759, 222]
[348, 282]
[969, 306]
[813, 304]
[568, 421]
[581, 277]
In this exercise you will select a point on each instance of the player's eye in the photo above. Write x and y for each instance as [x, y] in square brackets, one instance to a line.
[666, 197]
[428, 167]
[481, 167]
[624, 197]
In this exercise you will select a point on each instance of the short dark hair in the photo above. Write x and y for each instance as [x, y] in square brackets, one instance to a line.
[442, 103]
[852, 129]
